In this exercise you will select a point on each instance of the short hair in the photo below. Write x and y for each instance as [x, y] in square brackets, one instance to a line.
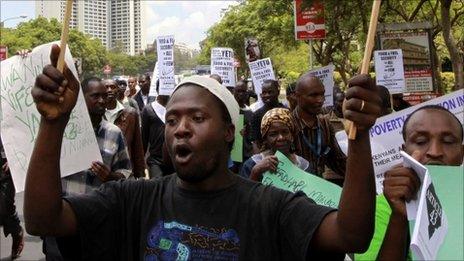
[216, 77]
[432, 107]
[272, 83]
[305, 76]
[86, 82]
[121, 82]
[146, 76]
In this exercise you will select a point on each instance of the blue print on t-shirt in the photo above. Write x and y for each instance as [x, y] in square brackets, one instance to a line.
[176, 241]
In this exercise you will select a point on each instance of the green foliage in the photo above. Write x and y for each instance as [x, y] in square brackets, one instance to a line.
[447, 81]
[346, 23]
[94, 56]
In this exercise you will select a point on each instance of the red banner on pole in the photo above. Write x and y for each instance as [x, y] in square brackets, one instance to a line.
[309, 22]
[3, 52]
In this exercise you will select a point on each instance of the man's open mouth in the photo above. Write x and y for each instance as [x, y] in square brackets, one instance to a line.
[182, 153]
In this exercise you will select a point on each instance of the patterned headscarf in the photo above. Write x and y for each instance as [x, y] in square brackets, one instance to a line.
[281, 115]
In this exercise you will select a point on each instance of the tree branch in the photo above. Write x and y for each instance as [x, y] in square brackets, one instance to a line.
[416, 10]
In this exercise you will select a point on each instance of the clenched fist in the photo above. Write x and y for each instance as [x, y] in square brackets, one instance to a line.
[55, 93]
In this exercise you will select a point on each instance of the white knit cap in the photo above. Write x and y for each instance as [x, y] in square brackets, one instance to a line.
[217, 90]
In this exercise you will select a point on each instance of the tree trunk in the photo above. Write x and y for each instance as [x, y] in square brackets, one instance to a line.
[438, 83]
[456, 58]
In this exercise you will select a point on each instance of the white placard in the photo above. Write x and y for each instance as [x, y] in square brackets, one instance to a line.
[165, 51]
[325, 74]
[386, 137]
[416, 57]
[261, 70]
[409, 162]
[389, 70]
[21, 119]
[154, 79]
[431, 224]
[222, 64]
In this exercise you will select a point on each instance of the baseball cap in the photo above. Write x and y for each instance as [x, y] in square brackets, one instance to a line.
[217, 90]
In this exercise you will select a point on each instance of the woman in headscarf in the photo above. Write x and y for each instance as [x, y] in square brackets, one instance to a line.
[276, 130]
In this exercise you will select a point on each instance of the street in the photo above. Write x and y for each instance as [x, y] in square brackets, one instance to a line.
[32, 245]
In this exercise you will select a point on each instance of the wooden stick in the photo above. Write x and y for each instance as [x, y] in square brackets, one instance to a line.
[64, 34]
[368, 51]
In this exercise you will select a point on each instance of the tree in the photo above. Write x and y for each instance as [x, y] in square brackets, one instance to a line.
[39, 31]
[346, 23]
[432, 11]
[455, 56]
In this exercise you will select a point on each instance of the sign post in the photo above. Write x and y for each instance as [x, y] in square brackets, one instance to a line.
[309, 24]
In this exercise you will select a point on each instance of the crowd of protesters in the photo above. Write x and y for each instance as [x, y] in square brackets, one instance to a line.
[168, 189]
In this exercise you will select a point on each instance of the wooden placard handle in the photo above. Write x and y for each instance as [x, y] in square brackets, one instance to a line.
[367, 52]
[64, 35]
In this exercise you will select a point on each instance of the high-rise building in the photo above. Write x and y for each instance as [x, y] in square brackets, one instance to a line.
[116, 23]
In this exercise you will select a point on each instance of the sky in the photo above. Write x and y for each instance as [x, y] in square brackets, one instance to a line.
[187, 20]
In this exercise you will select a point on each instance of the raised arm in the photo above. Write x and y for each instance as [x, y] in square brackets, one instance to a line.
[350, 229]
[55, 96]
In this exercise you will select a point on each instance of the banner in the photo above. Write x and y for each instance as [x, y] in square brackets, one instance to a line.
[431, 224]
[165, 51]
[387, 140]
[325, 74]
[389, 70]
[309, 22]
[289, 177]
[416, 58]
[261, 70]
[21, 119]
[222, 64]
[449, 185]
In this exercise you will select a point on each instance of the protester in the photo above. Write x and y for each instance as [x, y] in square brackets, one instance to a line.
[8, 216]
[116, 163]
[123, 98]
[335, 115]
[433, 136]
[399, 103]
[142, 97]
[204, 211]
[314, 136]
[290, 95]
[277, 132]
[153, 123]
[132, 83]
[270, 98]
[127, 119]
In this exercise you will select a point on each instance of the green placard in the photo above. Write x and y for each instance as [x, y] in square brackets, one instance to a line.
[449, 184]
[237, 150]
[290, 177]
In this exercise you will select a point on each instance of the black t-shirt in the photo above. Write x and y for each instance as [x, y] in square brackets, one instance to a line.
[157, 220]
